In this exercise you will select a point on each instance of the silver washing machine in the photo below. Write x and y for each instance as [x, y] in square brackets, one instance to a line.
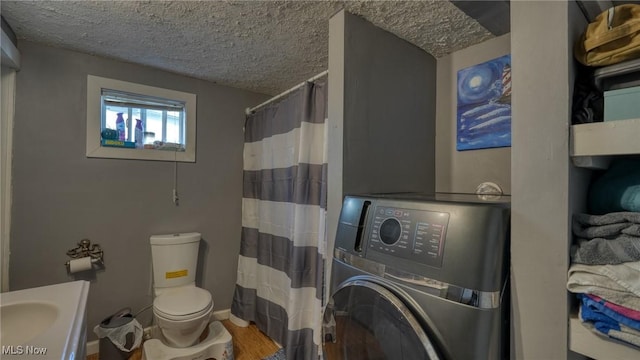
[419, 277]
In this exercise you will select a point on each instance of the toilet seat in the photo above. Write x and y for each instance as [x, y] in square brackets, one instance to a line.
[183, 304]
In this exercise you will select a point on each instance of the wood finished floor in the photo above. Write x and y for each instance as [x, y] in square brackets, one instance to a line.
[248, 344]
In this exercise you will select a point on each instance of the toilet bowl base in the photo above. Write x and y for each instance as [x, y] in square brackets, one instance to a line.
[217, 345]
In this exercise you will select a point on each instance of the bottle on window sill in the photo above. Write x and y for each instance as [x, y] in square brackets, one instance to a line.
[139, 133]
[120, 127]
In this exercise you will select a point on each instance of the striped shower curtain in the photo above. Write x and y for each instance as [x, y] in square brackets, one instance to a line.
[283, 245]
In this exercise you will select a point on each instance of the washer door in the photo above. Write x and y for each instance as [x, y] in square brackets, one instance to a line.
[367, 321]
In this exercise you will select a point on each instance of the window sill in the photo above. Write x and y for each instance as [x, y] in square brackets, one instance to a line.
[140, 154]
[94, 148]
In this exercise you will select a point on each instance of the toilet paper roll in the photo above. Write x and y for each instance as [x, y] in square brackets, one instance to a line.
[82, 264]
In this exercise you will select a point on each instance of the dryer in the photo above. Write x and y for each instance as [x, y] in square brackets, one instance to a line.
[419, 277]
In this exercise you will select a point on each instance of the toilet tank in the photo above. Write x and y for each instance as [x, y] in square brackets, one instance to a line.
[174, 258]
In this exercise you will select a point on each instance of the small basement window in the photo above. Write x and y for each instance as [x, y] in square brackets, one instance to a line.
[133, 121]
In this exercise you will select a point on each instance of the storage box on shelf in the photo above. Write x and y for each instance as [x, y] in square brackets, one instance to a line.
[593, 144]
[622, 104]
[620, 84]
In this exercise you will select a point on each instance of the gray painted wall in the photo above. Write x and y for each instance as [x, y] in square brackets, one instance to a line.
[61, 197]
[463, 171]
[381, 114]
[389, 112]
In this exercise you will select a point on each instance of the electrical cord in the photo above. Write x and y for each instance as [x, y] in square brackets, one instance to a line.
[176, 199]
[143, 310]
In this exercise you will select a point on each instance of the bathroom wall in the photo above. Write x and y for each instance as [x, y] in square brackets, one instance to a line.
[381, 114]
[389, 116]
[60, 196]
[463, 171]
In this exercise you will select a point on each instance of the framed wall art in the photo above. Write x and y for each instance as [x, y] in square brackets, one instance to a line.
[484, 105]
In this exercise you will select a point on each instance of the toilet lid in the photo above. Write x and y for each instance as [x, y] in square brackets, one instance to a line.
[183, 302]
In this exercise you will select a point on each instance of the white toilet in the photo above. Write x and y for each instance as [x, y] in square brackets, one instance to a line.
[182, 311]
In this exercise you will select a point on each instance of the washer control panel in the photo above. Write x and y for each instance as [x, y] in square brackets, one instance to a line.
[415, 235]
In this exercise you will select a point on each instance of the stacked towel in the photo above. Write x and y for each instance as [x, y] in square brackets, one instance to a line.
[595, 315]
[621, 310]
[607, 225]
[610, 299]
[605, 270]
[612, 238]
[619, 284]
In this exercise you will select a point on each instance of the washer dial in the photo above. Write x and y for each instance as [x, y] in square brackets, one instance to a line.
[390, 231]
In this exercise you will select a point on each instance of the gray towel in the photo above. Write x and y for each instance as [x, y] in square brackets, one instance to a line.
[601, 251]
[606, 226]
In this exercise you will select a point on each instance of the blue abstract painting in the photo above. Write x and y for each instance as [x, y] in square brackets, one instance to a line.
[484, 105]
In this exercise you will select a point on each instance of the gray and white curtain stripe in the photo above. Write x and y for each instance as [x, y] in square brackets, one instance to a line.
[283, 242]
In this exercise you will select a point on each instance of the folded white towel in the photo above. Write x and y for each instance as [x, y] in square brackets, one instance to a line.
[626, 334]
[619, 284]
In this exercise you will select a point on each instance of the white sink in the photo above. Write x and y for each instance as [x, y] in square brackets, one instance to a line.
[22, 322]
[48, 320]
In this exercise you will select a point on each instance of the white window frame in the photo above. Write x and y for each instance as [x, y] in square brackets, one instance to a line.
[95, 84]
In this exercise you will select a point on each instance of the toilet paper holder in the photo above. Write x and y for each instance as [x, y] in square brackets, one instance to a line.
[86, 249]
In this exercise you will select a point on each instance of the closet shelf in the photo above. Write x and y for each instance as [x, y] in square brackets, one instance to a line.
[585, 342]
[592, 144]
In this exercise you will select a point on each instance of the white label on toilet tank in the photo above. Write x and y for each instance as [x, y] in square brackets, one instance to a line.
[176, 274]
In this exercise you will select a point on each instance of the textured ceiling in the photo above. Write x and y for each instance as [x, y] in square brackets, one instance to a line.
[264, 46]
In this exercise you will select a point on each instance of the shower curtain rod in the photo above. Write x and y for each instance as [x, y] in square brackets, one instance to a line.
[248, 111]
